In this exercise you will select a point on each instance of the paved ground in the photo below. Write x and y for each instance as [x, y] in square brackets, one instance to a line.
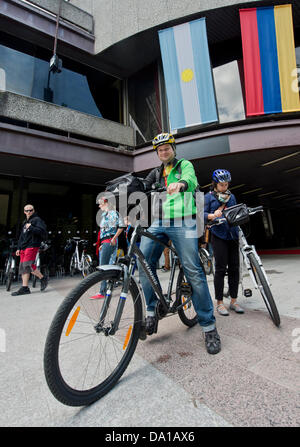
[172, 381]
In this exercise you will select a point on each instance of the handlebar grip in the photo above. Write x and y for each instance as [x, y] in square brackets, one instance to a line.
[256, 209]
[217, 221]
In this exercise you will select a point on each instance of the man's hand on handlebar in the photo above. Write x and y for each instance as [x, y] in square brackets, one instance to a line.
[171, 189]
[175, 187]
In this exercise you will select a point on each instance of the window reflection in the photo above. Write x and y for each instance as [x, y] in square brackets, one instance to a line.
[229, 92]
[144, 104]
[85, 90]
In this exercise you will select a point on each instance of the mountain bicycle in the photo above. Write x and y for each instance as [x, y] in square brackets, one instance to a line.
[84, 264]
[10, 267]
[239, 214]
[91, 342]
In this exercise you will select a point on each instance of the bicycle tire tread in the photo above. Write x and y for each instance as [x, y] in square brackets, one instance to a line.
[273, 311]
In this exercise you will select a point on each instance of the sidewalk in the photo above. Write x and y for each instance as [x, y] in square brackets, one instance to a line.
[172, 381]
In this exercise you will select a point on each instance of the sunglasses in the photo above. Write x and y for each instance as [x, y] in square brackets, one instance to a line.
[28, 211]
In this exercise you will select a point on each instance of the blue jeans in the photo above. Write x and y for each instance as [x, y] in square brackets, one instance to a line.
[184, 239]
[107, 255]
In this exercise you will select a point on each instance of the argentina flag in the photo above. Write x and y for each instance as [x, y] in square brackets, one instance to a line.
[188, 75]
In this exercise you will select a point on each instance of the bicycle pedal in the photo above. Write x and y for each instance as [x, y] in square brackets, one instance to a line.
[247, 293]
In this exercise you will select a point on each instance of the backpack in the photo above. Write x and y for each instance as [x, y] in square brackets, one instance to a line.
[128, 181]
[121, 188]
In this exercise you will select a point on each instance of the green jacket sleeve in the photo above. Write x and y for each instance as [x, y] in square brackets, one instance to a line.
[188, 175]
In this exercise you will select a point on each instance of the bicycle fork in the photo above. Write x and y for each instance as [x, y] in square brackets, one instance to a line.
[112, 329]
[246, 251]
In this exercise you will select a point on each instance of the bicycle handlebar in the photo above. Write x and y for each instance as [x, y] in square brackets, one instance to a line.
[157, 187]
[217, 221]
[221, 220]
[256, 209]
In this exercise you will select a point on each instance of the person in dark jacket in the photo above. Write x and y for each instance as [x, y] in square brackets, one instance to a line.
[31, 236]
[224, 240]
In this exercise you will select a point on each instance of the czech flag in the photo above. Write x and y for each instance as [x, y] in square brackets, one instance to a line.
[270, 69]
[188, 75]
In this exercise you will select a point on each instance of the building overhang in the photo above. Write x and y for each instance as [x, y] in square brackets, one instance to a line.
[63, 119]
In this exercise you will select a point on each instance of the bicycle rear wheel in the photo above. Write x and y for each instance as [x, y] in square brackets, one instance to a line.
[264, 289]
[8, 274]
[72, 265]
[82, 361]
[187, 313]
[87, 267]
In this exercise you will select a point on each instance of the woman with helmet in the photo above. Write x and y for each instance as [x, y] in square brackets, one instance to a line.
[224, 240]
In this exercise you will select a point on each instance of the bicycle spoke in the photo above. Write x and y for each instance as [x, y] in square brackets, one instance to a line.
[92, 353]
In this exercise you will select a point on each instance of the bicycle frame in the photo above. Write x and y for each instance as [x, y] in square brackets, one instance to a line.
[78, 259]
[126, 266]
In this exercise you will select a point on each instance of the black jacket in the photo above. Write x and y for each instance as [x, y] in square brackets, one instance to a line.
[33, 236]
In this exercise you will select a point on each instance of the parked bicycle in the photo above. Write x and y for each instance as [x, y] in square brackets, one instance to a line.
[41, 266]
[82, 263]
[10, 267]
[235, 216]
[91, 342]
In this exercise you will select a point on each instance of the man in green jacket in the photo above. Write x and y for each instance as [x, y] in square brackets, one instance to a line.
[175, 220]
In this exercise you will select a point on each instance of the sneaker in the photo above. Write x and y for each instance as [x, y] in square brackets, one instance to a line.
[44, 283]
[99, 296]
[151, 325]
[212, 341]
[222, 310]
[237, 308]
[22, 291]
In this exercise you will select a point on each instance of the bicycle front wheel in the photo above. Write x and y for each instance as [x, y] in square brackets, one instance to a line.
[264, 289]
[9, 280]
[187, 313]
[84, 358]
[206, 261]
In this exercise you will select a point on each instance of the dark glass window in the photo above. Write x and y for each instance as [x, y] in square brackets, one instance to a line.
[24, 69]
[144, 104]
